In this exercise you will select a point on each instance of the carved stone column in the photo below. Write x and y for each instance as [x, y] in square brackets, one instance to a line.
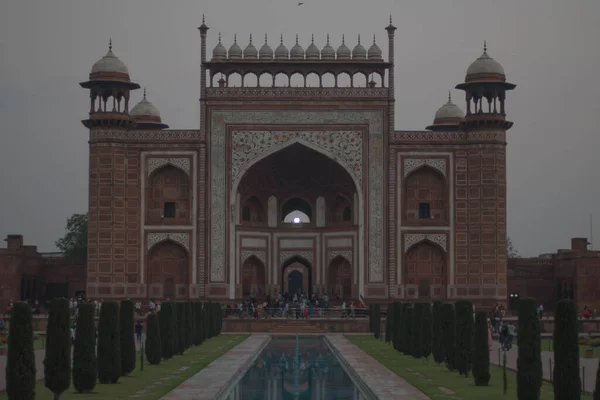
[272, 212]
[320, 214]
[237, 209]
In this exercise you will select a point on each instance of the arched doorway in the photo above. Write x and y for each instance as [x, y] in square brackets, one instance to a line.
[426, 268]
[339, 282]
[169, 266]
[253, 277]
[295, 272]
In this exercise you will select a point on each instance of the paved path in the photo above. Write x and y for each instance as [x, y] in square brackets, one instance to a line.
[385, 384]
[218, 375]
[590, 364]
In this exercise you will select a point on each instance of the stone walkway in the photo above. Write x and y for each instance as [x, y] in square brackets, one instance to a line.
[385, 384]
[590, 364]
[218, 375]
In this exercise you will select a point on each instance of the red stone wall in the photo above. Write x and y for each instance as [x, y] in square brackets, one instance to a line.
[533, 277]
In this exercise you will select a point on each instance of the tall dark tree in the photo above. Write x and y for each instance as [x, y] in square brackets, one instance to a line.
[153, 341]
[426, 330]
[198, 323]
[192, 321]
[481, 351]
[597, 386]
[168, 335]
[566, 379]
[182, 332]
[376, 320]
[74, 243]
[397, 325]
[437, 348]
[127, 325]
[449, 333]
[464, 335]
[407, 332]
[529, 360]
[85, 372]
[389, 318]
[415, 340]
[57, 363]
[20, 358]
[109, 343]
[202, 322]
[371, 318]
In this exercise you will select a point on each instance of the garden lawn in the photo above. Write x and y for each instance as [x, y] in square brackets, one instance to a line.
[547, 346]
[194, 359]
[428, 377]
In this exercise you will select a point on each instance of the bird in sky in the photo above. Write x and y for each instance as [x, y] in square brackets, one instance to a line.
[300, 4]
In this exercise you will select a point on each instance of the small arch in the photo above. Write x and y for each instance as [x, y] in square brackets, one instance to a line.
[169, 266]
[344, 80]
[313, 80]
[328, 79]
[426, 241]
[234, 79]
[341, 210]
[155, 169]
[250, 79]
[296, 204]
[253, 210]
[282, 79]
[339, 279]
[253, 277]
[297, 259]
[297, 80]
[359, 79]
[265, 79]
[168, 197]
[425, 195]
[377, 78]
[425, 268]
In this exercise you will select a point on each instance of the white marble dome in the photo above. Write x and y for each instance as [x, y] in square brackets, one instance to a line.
[235, 51]
[144, 109]
[282, 52]
[485, 65]
[449, 110]
[374, 51]
[328, 52]
[312, 51]
[265, 52]
[219, 52]
[297, 52]
[109, 63]
[343, 52]
[359, 52]
[250, 52]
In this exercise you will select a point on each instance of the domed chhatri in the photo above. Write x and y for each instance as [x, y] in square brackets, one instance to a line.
[250, 52]
[359, 52]
[282, 52]
[343, 52]
[374, 51]
[448, 117]
[110, 66]
[297, 52]
[235, 51]
[146, 115]
[312, 51]
[266, 52]
[485, 68]
[328, 52]
[219, 52]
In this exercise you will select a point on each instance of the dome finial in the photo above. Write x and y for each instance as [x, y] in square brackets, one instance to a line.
[281, 39]
[390, 19]
[202, 18]
[449, 96]
[313, 38]
[110, 44]
[235, 38]
[250, 38]
[296, 38]
[219, 37]
[328, 38]
[265, 38]
[359, 38]
[373, 38]
[144, 93]
[485, 46]
[343, 39]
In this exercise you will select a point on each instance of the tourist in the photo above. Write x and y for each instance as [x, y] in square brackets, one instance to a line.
[503, 335]
[511, 334]
[352, 310]
[540, 310]
[138, 307]
[490, 340]
[138, 331]
[151, 306]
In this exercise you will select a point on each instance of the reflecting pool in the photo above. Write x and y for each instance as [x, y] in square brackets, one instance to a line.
[296, 369]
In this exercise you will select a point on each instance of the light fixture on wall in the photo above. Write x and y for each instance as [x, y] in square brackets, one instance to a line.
[296, 220]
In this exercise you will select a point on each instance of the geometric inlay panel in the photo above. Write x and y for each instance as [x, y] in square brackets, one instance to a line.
[260, 254]
[410, 239]
[156, 163]
[306, 254]
[347, 254]
[411, 164]
[178, 237]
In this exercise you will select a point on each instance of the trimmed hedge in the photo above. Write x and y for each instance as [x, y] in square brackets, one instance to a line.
[566, 379]
[198, 323]
[407, 332]
[153, 340]
[481, 352]
[182, 328]
[415, 339]
[20, 358]
[85, 372]
[57, 362]
[376, 320]
[426, 330]
[128, 351]
[449, 334]
[464, 335]
[397, 325]
[192, 322]
[389, 321]
[437, 347]
[109, 343]
[168, 333]
[529, 360]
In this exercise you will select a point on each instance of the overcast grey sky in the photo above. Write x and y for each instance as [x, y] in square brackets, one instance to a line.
[549, 48]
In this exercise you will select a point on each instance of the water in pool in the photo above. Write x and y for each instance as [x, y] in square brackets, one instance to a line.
[296, 370]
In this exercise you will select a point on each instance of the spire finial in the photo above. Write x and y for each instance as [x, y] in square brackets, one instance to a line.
[235, 38]
[313, 39]
[219, 37]
[373, 38]
[390, 19]
[359, 38]
[144, 93]
[110, 44]
[296, 38]
[202, 18]
[485, 46]
[265, 38]
[328, 38]
[343, 39]
[250, 38]
[449, 96]
[281, 39]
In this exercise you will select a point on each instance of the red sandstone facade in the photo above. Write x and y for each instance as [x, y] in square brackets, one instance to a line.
[409, 215]
[26, 274]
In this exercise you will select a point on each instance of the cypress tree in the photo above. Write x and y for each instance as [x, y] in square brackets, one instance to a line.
[57, 363]
[198, 323]
[167, 332]
[377, 320]
[529, 360]
[20, 358]
[449, 332]
[597, 386]
[371, 318]
[426, 330]
[389, 322]
[153, 340]
[464, 335]
[397, 325]
[85, 372]
[126, 335]
[437, 348]
[192, 318]
[220, 315]
[415, 340]
[182, 331]
[407, 332]
[175, 327]
[481, 352]
[203, 332]
[567, 381]
[109, 343]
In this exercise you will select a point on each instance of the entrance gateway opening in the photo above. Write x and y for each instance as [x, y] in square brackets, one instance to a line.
[296, 276]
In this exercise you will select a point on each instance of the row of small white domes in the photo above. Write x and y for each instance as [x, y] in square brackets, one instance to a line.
[312, 52]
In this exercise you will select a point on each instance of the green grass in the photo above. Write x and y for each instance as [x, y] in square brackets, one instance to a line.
[428, 377]
[547, 346]
[196, 358]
